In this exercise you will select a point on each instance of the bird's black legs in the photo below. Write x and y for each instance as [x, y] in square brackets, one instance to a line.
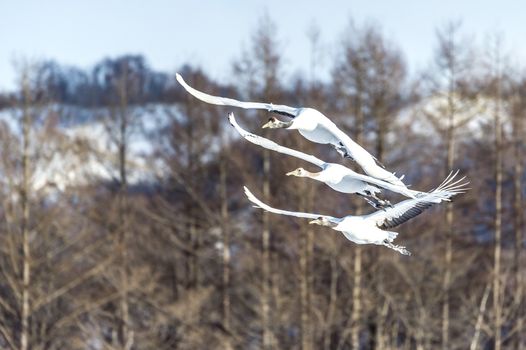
[384, 203]
[371, 200]
[376, 202]
[340, 148]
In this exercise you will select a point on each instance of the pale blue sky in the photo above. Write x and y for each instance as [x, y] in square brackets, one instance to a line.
[211, 33]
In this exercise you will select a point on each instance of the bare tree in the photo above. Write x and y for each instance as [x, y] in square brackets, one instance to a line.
[306, 241]
[261, 66]
[189, 216]
[453, 60]
[368, 74]
[121, 132]
[518, 112]
[496, 66]
[122, 80]
[497, 298]
[123, 120]
[225, 230]
[385, 88]
[24, 203]
[350, 72]
[49, 255]
[177, 258]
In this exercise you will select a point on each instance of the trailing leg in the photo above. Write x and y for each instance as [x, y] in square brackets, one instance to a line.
[398, 248]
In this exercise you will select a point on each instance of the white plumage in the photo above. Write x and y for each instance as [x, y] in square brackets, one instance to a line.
[336, 176]
[371, 228]
[310, 123]
[314, 126]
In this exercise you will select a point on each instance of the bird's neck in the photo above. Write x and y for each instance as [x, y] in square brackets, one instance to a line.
[316, 176]
[322, 176]
[327, 223]
[281, 124]
[331, 224]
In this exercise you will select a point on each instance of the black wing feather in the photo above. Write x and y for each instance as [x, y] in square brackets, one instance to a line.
[283, 113]
[407, 215]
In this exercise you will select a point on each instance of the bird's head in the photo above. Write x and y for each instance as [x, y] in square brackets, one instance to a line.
[323, 221]
[300, 172]
[274, 123]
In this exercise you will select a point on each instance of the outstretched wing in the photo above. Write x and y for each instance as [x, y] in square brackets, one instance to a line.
[364, 159]
[266, 143]
[259, 204]
[223, 101]
[410, 208]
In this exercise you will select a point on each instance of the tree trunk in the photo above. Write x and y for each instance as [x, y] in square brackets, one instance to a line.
[310, 274]
[378, 329]
[448, 251]
[333, 296]
[518, 223]
[305, 251]
[226, 249]
[356, 297]
[125, 336]
[192, 258]
[265, 299]
[304, 305]
[306, 340]
[357, 269]
[24, 201]
[497, 308]
[480, 318]
[380, 340]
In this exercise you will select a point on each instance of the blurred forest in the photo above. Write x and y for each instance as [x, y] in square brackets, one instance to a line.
[124, 223]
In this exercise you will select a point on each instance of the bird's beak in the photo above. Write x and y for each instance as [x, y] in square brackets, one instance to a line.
[290, 173]
[267, 125]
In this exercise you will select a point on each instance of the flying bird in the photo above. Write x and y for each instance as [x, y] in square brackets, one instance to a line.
[312, 125]
[336, 176]
[372, 228]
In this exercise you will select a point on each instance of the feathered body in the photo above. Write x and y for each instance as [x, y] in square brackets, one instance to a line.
[336, 177]
[372, 228]
[312, 125]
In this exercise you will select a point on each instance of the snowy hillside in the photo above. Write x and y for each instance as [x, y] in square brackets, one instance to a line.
[430, 116]
[78, 151]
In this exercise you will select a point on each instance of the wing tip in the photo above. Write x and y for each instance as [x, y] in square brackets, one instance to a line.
[450, 187]
[256, 203]
[249, 194]
[232, 119]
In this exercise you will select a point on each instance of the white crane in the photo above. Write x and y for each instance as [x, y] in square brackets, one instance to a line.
[310, 123]
[336, 176]
[370, 229]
